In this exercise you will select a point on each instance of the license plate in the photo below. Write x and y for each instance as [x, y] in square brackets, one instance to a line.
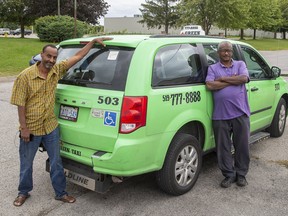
[79, 179]
[68, 113]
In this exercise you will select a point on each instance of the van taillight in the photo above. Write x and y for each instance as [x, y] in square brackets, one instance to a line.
[133, 114]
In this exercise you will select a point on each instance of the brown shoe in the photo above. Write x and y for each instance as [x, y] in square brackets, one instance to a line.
[20, 199]
[67, 199]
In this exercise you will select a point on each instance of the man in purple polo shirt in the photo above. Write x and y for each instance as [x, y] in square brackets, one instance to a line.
[226, 79]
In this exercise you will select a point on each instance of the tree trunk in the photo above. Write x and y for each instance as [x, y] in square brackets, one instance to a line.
[254, 34]
[242, 34]
[22, 27]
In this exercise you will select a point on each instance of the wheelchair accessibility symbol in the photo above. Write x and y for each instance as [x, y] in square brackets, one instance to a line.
[110, 118]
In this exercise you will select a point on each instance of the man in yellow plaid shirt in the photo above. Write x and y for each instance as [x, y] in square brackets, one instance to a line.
[34, 95]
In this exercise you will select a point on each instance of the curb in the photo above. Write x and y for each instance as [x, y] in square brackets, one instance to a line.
[7, 79]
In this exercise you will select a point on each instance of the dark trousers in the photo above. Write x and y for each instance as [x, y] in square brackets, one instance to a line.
[236, 131]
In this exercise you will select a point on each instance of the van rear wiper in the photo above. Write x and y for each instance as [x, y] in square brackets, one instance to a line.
[82, 82]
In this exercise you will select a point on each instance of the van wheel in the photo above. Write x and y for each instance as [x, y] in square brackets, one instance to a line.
[277, 127]
[182, 165]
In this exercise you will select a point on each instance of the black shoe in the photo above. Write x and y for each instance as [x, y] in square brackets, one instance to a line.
[241, 181]
[227, 182]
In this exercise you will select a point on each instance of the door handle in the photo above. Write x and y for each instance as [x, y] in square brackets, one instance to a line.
[254, 89]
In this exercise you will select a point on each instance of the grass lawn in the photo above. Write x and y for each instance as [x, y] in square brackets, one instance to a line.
[15, 53]
[268, 44]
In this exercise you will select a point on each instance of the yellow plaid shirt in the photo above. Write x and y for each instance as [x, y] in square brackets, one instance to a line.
[37, 95]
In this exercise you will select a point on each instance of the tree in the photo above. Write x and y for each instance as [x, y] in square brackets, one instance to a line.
[283, 4]
[233, 14]
[88, 11]
[263, 16]
[158, 13]
[58, 28]
[24, 12]
[200, 12]
[18, 11]
[225, 14]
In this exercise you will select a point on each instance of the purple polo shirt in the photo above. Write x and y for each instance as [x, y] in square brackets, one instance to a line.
[231, 101]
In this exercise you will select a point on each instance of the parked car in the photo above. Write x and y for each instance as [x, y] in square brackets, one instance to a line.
[35, 59]
[4, 31]
[18, 32]
[140, 105]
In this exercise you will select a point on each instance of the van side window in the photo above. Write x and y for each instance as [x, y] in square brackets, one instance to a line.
[212, 55]
[257, 67]
[177, 65]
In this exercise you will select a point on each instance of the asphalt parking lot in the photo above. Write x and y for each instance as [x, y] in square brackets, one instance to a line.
[266, 194]
[277, 58]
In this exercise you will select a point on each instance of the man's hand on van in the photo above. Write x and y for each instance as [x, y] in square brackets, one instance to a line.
[100, 40]
[81, 53]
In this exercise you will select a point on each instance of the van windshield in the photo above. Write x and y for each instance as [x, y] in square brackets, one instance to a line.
[104, 68]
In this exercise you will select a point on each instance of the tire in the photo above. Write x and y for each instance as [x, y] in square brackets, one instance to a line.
[277, 126]
[182, 165]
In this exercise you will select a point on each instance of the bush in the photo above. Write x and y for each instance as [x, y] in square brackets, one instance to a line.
[58, 28]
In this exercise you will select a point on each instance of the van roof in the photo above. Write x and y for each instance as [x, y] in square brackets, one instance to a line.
[134, 40]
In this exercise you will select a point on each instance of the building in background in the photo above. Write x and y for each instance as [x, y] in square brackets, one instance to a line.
[131, 25]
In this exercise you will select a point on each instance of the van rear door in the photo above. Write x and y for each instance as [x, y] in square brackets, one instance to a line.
[89, 97]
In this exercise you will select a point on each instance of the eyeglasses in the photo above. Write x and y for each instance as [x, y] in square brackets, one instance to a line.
[226, 50]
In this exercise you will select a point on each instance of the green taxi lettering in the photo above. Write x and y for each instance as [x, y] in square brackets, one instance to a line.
[75, 152]
[65, 149]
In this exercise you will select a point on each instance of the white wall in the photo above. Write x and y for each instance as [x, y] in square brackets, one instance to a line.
[131, 25]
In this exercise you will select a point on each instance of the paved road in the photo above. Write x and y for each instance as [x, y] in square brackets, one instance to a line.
[277, 58]
[266, 194]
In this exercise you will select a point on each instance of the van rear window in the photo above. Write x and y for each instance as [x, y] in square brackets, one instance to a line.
[103, 68]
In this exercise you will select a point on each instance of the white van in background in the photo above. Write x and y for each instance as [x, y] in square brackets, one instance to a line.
[192, 30]
[4, 31]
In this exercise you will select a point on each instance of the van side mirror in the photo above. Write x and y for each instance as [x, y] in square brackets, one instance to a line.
[276, 71]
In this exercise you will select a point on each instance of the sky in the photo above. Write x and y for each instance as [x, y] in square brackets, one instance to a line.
[120, 8]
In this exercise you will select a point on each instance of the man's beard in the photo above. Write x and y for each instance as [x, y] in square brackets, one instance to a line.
[48, 65]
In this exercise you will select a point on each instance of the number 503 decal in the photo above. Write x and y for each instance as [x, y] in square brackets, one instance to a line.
[108, 100]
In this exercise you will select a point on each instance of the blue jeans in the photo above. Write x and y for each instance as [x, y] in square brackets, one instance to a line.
[27, 153]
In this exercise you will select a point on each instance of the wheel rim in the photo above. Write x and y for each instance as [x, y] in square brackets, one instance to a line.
[186, 166]
[282, 118]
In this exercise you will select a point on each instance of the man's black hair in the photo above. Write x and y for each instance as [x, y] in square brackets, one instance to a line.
[48, 45]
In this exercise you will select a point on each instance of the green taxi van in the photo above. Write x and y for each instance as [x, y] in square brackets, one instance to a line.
[140, 105]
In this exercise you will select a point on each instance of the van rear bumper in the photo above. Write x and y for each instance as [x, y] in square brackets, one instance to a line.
[132, 155]
[84, 176]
